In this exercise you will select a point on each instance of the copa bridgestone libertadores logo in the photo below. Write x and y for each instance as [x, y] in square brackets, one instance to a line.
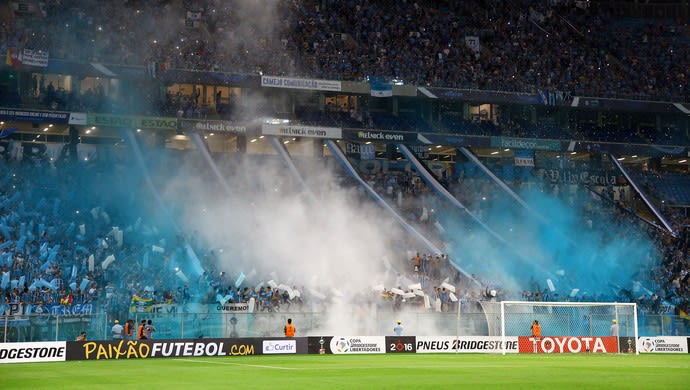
[358, 344]
[340, 345]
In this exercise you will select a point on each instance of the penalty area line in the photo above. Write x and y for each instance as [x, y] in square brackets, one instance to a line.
[238, 364]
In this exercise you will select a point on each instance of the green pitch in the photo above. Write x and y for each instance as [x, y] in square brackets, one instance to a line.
[420, 371]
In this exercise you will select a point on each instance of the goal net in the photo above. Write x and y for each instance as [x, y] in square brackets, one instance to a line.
[569, 327]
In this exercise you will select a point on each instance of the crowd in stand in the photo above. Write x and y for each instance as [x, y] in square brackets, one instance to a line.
[520, 45]
[60, 247]
[55, 242]
[591, 52]
[660, 286]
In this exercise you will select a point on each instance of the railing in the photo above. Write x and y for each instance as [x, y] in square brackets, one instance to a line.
[209, 325]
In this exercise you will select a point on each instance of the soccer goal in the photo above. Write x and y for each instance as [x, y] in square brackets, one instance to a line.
[569, 327]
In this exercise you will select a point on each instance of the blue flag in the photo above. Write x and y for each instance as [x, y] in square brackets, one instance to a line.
[379, 88]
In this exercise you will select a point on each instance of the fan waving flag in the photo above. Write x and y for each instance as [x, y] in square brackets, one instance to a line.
[379, 88]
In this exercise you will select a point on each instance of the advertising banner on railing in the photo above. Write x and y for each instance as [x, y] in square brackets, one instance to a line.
[77, 118]
[568, 344]
[663, 344]
[525, 143]
[286, 130]
[33, 352]
[22, 115]
[296, 83]
[35, 58]
[213, 125]
[465, 344]
[381, 136]
[132, 121]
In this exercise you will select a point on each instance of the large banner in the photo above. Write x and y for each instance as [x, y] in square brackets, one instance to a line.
[663, 344]
[285, 130]
[568, 344]
[465, 344]
[296, 83]
[33, 352]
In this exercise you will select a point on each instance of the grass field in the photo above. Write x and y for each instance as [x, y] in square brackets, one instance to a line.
[413, 371]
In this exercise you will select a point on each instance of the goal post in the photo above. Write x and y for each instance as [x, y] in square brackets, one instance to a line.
[570, 327]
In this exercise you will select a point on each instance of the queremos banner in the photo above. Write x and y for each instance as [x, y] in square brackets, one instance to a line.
[33, 352]
[568, 344]
[297, 83]
[663, 344]
[23, 115]
[285, 130]
[465, 344]
[358, 344]
[131, 121]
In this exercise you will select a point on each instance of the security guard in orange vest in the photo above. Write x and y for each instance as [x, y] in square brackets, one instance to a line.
[289, 328]
[536, 329]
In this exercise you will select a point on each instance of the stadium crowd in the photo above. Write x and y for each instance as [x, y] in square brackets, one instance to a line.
[659, 287]
[521, 46]
[58, 245]
[85, 252]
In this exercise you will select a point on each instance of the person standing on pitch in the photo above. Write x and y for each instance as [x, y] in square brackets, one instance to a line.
[536, 329]
[613, 331]
[398, 328]
[117, 330]
[129, 329]
[289, 328]
[536, 335]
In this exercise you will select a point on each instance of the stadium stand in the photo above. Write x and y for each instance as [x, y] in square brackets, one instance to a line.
[554, 48]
